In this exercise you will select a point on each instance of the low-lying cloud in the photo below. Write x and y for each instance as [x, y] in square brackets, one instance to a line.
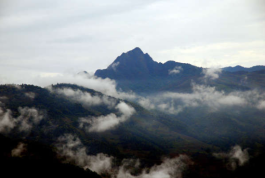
[19, 150]
[261, 105]
[175, 70]
[105, 86]
[235, 157]
[100, 123]
[169, 168]
[73, 151]
[103, 123]
[28, 118]
[203, 96]
[31, 95]
[115, 65]
[211, 73]
[85, 98]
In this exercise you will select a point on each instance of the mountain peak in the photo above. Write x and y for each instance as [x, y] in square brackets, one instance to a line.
[135, 55]
[137, 49]
[136, 65]
[132, 64]
[134, 52]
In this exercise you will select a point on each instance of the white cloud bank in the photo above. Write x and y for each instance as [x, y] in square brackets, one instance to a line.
[203, 95]
[103, 123]
[105, 86]
[85, 98]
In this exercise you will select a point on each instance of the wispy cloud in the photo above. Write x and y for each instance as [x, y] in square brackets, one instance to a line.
[169, 168]
[105, 86]
[203, 96]
[211, 73]
[28, 118]
[175, 70]
[103, 123]
[261, 105]
[115, 65]
[19, 150]
[72, 149]
[100, 123]
[235, 157]
[31, 95]
[85, 98]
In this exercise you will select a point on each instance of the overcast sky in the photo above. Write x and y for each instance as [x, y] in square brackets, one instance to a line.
[54, 36]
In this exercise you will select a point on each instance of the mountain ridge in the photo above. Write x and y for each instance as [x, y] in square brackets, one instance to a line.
[246, 69]
[137, 58]
[138, 72]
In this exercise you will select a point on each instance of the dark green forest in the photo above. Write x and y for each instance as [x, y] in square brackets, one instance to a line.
[147, 135]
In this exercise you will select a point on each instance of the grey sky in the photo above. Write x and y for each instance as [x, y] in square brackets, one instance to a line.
[45, 37]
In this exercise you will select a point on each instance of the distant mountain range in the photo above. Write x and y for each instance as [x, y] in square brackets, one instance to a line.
[135, 65]
[138, 72]
[240, 68]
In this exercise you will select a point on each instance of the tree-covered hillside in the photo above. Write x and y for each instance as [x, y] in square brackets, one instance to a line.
[81, 125]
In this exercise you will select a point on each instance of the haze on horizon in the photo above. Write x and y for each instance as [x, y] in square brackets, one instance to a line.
[51, 37]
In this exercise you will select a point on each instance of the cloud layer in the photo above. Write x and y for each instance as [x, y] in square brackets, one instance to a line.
[203, 96]
[105, 86]
[85, 98]
[90, 35]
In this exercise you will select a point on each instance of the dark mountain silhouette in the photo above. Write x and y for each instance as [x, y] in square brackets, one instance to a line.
[138, 72]
[135, 65]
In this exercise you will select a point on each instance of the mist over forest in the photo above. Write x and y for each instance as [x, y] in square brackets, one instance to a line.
[137, 118]
[132, 89]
